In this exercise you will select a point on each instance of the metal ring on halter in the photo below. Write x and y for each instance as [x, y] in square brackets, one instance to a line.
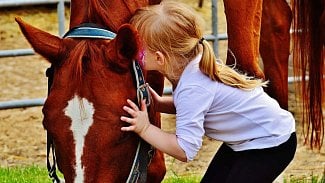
[143, 93]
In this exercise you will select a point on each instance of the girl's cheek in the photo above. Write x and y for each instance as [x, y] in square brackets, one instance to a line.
[145, 66]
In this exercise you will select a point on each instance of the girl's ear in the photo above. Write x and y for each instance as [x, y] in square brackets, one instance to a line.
[160, 58]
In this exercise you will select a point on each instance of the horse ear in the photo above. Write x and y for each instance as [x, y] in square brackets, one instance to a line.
[127, 44]
[42, 42]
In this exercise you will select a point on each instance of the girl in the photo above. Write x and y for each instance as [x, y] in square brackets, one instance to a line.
[209, 98]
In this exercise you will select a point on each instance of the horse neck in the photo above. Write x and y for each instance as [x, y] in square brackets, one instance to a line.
[110, 14]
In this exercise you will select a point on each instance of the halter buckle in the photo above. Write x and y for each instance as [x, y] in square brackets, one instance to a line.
[143, 94]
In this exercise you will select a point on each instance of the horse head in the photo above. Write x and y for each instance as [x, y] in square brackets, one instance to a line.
[92, 80]
[111, 14]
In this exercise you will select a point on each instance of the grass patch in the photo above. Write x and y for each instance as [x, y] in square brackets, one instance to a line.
[38, 174]
[182, 179]
[305, 179]
[28, 174]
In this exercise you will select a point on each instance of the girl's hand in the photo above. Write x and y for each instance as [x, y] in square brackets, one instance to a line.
[139, 122]
[155, 97]
[163, 104]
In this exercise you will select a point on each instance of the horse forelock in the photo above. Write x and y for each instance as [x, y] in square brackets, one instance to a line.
[80, 58]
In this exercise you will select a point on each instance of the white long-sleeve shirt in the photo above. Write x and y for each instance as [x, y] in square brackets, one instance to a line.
[242, 119]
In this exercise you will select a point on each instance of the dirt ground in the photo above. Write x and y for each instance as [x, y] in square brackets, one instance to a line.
[22, 137]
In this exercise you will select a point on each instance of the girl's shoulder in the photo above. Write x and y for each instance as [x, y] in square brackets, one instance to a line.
[197, 82]
[193, 78]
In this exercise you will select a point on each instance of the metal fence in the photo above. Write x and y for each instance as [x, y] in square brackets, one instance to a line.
[15, 3]
[214, 37]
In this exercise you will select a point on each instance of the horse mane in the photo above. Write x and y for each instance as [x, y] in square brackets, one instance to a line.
[308, 56]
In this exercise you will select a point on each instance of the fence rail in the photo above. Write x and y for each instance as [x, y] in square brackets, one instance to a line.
[40, 101]
[13, 3]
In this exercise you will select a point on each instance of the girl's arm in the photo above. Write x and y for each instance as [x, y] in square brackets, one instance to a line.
[166, 142]
[163, 104]
[139, 123]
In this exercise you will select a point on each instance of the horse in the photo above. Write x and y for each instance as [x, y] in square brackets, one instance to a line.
[92, 79]
[262, 28]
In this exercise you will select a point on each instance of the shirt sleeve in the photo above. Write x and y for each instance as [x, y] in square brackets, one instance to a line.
[192, 103]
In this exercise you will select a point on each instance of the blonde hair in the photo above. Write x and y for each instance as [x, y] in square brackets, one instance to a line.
[175, 30]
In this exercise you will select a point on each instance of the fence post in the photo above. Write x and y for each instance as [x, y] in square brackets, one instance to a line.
[214, 13]
[61, 17]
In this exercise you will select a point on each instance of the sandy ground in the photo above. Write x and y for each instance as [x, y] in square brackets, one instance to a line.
[22, 137]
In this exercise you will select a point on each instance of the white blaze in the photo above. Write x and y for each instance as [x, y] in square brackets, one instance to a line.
[81, 111]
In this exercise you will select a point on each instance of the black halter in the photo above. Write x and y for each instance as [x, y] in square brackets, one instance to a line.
[144, 150]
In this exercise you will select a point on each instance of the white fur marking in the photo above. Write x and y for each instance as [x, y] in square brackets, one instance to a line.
[81, 112]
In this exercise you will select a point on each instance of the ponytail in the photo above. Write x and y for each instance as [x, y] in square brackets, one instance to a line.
[218, 71]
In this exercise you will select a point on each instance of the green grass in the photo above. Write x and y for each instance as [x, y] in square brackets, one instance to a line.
[28, 174]
[182, 179]
[36, 174]
[309, 179]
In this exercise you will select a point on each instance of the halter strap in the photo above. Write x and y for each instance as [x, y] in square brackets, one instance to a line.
[145, 151]
[89, 31]
[51, 169]
[142, 86]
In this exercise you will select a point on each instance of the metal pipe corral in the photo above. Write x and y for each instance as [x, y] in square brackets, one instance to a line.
[22, 103]
[16, 52]
[40, 101]
[13, 3]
